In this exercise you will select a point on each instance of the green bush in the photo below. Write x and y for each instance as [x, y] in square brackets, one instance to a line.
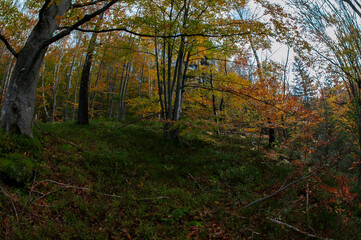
[16, 168]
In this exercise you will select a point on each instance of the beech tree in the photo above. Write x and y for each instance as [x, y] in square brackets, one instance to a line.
[182, 25]
[18, 108]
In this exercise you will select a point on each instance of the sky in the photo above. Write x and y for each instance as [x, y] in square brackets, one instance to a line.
[279, 51]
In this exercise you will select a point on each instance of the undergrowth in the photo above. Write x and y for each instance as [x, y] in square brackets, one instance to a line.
[105, 182]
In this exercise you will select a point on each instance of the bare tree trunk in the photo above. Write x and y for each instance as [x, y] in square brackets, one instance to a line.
[122, 105]
[150, 87]
[55, 86]
[214, 105]
[160, 87]
[107, 79]
[95, 85]
[125, 67]
[112, 90]
[68, 85]
[141, 79]
[171, 132]
[83, 111]
[6, 77]
[76, 87]
[43, 94]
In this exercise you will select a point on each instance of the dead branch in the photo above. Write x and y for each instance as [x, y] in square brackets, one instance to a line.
[155, 198]
[30, 193]
[79, 5]
[64, 185]
[195, 181]
[12, 202]
[283, 187]
[297, 230]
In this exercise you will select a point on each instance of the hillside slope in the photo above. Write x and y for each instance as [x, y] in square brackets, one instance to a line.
[106, 182]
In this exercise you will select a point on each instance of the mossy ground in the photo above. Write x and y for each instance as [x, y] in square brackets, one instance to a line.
[129, 183]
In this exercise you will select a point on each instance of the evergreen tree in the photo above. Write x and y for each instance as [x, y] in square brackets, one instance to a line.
[304, 83]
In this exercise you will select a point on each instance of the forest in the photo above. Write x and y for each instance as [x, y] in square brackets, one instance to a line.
[180, 119]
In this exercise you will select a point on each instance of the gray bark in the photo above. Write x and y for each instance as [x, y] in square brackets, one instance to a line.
[18, 108]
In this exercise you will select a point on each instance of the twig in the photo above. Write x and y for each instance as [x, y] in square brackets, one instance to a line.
[12, 202]
[297, 230]
[155, 198]
[46, 194]
[283, 187]
[195, 181]
[253, 232]
[64, 185]
[29, 195]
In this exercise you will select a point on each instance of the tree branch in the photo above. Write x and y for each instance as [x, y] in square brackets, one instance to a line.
[296, 229]
[8, 46]
[161, 36]
[85, 19]
[64, 185]
[12, 202]
[283, 187]
[79, 5]
[244, 95]
[353, 7]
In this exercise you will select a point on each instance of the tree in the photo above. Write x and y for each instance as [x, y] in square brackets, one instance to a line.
[183, 26]
[83, 115]
[19, 105]
[335, 25]
[304, 84]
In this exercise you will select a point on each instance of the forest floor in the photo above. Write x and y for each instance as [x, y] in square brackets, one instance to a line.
[104, 181]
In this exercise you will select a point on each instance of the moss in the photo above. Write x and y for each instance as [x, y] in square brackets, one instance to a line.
[16, 168]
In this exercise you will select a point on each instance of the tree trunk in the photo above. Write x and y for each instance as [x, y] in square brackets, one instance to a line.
[18, 109]
[122, 105]
[95, 85]
[76, 87]
[68, 85]
[6, 77]
[111, 95]
[160, 87]
[271, 135]
[55, 86]
[102, 95]
[171, 131]
[43, 94]
[83, 111]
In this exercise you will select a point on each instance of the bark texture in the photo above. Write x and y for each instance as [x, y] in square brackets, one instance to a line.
[18, 108]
